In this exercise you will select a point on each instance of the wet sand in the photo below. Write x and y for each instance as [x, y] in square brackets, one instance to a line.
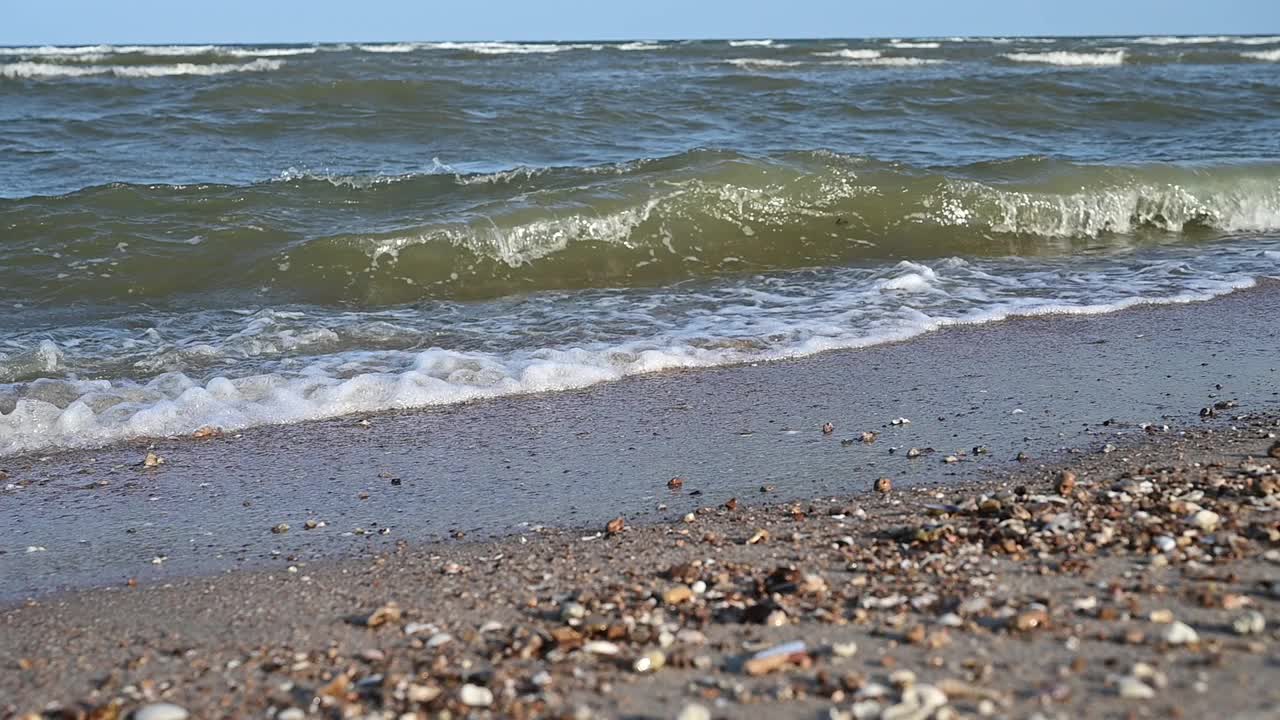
[1144, 584]
[1037, 386]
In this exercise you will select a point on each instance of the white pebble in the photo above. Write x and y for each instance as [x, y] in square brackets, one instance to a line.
[161, 711]
[1179, 633]
[694, 711]
[475, 696]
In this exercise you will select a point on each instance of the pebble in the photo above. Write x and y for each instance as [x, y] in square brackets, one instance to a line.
[280, 529]
[292, 714]
[1205, 520]
[649, 662]
[694, 711]
[884, 485]
[152, 460]
[1179, 633]
[844, 650]
[1251, 623]
[675, 483]
[1131, 688]
[161, 711]
[1066, 483]
[475, 696]
[600, 647]
[1165, 544]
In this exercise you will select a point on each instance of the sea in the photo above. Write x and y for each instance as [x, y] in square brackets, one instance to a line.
[223, 237]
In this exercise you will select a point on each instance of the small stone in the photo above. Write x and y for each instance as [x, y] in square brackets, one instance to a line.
[1066, 483]
[383, 615]
[572, 611]
[1179, 633]
[280, 529]
[292, 714]
[828, 428]
[1205, 520]
[675, 483]
[651, 661]
[868, 437]
[678, 594]
[689, 517]
[475, 696]
[844, 650]
[615, 526]
[600, 647]
[1165, 544]
[884, 485]
[161, 711]
[694, 711]
[768, 488]
[950, 459]
[420, 693]
[1131, 688]
[1163, 616]
[152, 460]
[1251, 623]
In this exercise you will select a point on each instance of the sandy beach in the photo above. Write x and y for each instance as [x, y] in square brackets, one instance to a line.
[1125, 566]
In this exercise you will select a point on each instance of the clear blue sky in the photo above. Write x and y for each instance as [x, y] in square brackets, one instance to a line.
[25, 22]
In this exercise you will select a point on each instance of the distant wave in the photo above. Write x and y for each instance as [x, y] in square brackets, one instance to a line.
[1070, 59]
[267, 52]
[916, 45]
[390, 48]
[39, 70]
[750, 43]
[763, 62]
[632, 46]
[848, 54]
[1207, 39]
[1267, 55]
[890, 62]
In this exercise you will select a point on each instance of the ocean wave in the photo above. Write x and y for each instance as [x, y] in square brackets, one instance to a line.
[1207, 39]
[890, 62]
[916, 45]
[37, 70]
[762, 63]
[267, 51]
[848, 54]
[375, 240]
[1070, 59]
[750, 43]
[767, 319]
[508, 48]
[1265, 55]
[634, 46]
[390, 47]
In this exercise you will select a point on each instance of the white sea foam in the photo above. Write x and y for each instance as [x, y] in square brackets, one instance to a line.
[390, 47]
[634, 46]
[1266, 55]
[750, 43]
[763, 63]
[309, 368]
[38, 70]
[509, 48]
[1070, 59]
[1208, 39]
[267, 52]
[889, 62]
[848, 54]
[916, 45]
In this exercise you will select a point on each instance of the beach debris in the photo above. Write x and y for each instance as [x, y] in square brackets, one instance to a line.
[900, 421]
[161, 711]
[1131, 688]
[694, 711]
[1066, 483]
[828, 428]
[280, 529]
[883, 485]
[388, 613]
[675, 483]
[615, 526]
[1250, 623]
[152, 460]
[475, 696]
[1180, 633]
[775, 658]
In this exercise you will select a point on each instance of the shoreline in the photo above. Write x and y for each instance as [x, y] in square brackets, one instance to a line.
[1008, 596]
[1039, 386]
